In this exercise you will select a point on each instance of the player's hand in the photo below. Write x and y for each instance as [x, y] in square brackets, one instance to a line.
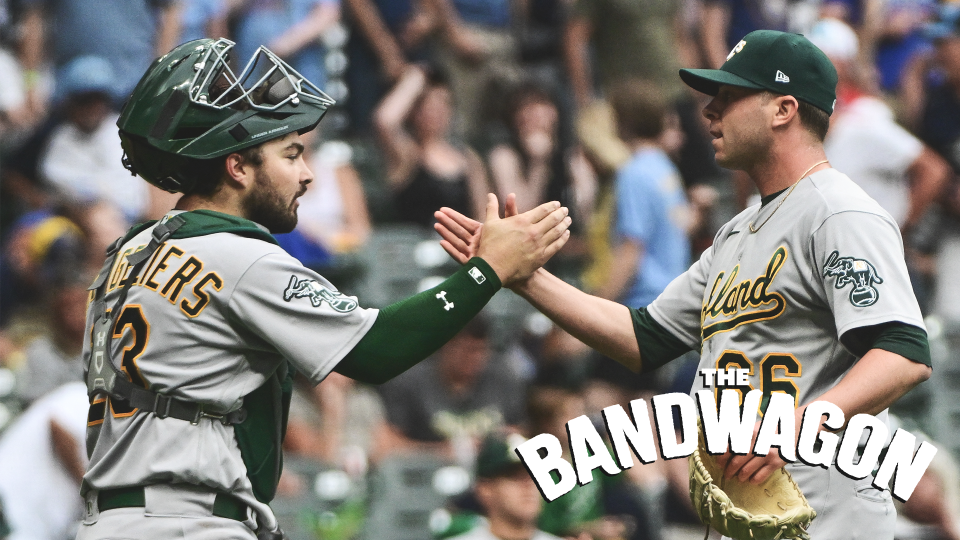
[750, 468]
[461, 235]
[517, 246]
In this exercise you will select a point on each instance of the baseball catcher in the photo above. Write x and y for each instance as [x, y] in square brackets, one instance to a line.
[198, 320]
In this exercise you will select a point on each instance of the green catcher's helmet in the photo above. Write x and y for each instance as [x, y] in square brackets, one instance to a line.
[190, 105]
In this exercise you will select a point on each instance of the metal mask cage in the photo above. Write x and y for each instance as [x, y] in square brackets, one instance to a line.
[266, 83]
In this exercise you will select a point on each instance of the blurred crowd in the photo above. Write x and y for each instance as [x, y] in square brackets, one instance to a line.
[440, 102]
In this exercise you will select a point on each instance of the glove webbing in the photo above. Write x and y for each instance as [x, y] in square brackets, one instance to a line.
[112, 381]
[706, 534]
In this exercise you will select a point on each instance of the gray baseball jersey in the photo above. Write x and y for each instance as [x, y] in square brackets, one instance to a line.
[209, 320]
[775, 302]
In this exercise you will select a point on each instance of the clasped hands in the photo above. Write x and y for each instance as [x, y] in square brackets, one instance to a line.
[515, 246]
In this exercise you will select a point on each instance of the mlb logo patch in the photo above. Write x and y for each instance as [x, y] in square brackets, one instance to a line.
[477, 275]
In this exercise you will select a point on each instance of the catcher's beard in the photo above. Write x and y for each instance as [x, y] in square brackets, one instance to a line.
[266, 206]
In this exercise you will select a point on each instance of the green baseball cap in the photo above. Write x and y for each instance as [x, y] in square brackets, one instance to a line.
[498, 456]
[780, 62]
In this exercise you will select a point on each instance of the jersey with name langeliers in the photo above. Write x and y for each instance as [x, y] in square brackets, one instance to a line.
[209, 320]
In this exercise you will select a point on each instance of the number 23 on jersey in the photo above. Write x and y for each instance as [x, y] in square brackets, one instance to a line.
[131, 319]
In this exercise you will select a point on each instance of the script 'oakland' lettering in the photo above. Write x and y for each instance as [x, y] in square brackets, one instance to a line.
[744, 302]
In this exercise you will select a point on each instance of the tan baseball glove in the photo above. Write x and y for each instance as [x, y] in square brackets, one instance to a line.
[774, 510]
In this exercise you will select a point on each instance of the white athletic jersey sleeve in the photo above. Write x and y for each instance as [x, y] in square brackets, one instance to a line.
[865, 280]
[290, 307]
[866, 143]
[38, 492]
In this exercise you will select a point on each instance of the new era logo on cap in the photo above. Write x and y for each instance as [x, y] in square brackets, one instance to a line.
[782, 77]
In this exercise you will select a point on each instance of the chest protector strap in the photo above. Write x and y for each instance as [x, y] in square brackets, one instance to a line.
[102, 375]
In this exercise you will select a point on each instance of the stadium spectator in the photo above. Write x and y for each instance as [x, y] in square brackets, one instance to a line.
[541, 28]
[82, 159]
[14, 110]
[478, 51]
[939, 124]
[447, 404]
[865, 142]
[900, 38]
[653, 216]
[723, 22]
[335, 423]
[939, 127]
[631, 40]
[388, 35]
[42, 460]
[534, 163]
[510, 500]
[427, 168]
[53, 359]
[129, 34]
[583, 510]
[289, 28]
[332, 217]
[40, 250]
[22, 189]
[891, 165]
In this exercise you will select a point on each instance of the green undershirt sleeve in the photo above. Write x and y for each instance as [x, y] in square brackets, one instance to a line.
[410, 330]
[897, 337]
[657, 345]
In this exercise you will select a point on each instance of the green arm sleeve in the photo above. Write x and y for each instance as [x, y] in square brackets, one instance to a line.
[900, 338]
[657, 345]
[410, 330]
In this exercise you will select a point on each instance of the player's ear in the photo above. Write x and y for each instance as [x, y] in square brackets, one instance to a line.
[238, 170]
[786, 110]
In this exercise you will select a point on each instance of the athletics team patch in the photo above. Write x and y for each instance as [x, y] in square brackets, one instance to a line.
[309, 288]
[859, 272]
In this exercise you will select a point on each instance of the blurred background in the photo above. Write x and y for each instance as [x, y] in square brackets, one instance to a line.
[438, 103]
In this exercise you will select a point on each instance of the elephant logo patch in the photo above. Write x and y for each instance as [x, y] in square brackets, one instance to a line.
[861, 273]
[309, 288]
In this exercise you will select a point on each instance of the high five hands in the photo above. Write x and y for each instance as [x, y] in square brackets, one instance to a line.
[515, 246]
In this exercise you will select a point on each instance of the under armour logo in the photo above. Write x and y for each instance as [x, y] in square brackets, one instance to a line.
[782, 77]
[100, 339]
[442, 295]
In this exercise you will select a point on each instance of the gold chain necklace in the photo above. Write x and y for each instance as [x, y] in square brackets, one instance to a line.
[804, 175]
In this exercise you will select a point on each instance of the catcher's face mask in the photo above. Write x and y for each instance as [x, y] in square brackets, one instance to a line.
[192, 105]
[266, 83]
